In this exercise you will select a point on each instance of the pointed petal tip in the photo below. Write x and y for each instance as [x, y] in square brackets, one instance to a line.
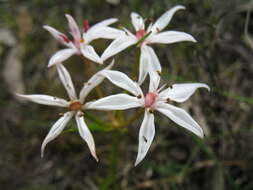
[95, 157]
[21, 96]
[137, 163]
[67, 15]
[194, 40]
[45, 27]
[180, 7]
[42, 150]
[206, 86]
[50, 64]
[115, 20]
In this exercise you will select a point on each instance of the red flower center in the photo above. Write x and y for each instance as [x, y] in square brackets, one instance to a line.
[150, 99]
[140, 33]
[75, 106]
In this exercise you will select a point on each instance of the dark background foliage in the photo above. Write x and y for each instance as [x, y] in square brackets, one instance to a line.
[177, 159]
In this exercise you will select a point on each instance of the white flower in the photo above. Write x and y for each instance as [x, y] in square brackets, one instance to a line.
[80, 43]
[148, 58]
[74, 105]
[156, 99]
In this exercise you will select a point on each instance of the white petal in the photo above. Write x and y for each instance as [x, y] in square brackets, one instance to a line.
[146, 136]
[61, 56]
[102, 32]
[123, 81]
[181, 117]
[137, 21]
[154, 63]
[144, 63]
[164, 20]
[181, 92]
[74, 29]
[115, 102]
[56, 129]
[86, 134]
[103, 23]
[154, 81]
[118, 45]
[66, 81]
[94, 81]
[56, 34]
[89, 52]
[45, 100]
[171, 37]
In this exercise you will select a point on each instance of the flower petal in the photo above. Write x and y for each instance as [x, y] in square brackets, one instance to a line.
[103, 23]
[66, 81]
[146, 136]
[181, 117]
[171, 37]
[123, 81]
[154, 81]
[89, 52]
[118, 45]
[114, 102]
[74, 29]
[86, 134]
[61, 56]
[102, 32]
[154, 63]
[143, 67]
[164, 20]
[94, 81]
[137, 21]
[181, 92]
[62, 38]
[56, 129]
[45, 100]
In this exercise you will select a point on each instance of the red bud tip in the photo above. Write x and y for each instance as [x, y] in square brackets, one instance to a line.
[86, 25]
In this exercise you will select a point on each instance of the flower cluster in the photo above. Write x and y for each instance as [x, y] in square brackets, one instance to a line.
[156, 99]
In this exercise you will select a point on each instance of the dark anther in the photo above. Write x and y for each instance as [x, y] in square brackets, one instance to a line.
[159, 73]
[157, 29]
[151, 111]
[139, 96]
[145, 139]
[168, 100]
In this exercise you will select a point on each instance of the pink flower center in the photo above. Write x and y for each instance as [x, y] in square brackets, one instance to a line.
[140, 33]
[150, 100]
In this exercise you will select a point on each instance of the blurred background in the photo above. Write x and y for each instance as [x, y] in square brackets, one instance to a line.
[177, 160]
